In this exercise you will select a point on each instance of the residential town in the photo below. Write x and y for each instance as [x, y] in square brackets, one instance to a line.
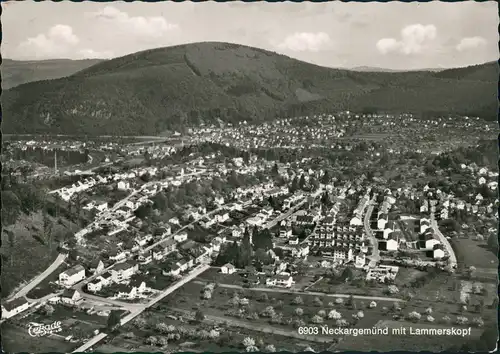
[266, 231]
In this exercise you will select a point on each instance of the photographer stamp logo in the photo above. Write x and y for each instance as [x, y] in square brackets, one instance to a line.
[40, 330]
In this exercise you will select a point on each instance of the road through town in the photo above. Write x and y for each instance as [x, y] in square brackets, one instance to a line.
[39, 278]
[375, 256]
[137, 309]
[445, 242]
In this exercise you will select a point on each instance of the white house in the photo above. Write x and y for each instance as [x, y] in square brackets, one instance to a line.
[281, 280]
[123, 271]
[97, 266]
[70, 297]
[72, 276]
[356, 220]
[12, 308]
[101, 206]
[180, 237]
[123, 185]
[227, 268]
[438, 254]
[95, 285]
[427, 241]
[359, 260]
[424, 224]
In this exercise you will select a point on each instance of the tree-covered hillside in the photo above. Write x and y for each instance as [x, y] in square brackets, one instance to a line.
[170, 88]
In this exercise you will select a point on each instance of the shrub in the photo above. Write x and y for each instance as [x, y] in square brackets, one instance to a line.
[430, 318]
[263, 297]
[270, 348]
[392, 289]
[341, 323]
[248, 342]
[299, 311]
[360, 314]
[462, 320]
[268, 312]
[414, 316]
[373, 304]
[478, 322]
[446, 319]
[318, 302]
[334, 315]
[322, 313]
[428, 311]
[298, 301]
[317, 319]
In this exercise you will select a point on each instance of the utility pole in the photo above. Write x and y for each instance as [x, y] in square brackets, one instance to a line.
[55, 161]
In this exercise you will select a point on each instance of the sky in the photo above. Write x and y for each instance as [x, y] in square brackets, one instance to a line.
[400, 36]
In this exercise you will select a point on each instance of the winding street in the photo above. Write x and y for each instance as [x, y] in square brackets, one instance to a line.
[39, 278]
[445, 242]
[375, 257]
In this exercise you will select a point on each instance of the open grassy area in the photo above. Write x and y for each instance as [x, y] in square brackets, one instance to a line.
[471, 253]
[283, 305]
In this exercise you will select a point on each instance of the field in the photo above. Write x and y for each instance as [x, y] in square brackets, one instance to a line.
[470, 253]
[191, 338]
[283, 314]
[411, 343]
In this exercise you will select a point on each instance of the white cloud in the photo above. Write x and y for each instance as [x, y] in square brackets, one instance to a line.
[414, 39]
[470, 43]
[56, 43]
[306, 42]
[149, 27]
[386, 45]
[92, 54]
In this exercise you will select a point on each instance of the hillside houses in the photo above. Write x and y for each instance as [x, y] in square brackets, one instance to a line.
[14, 307]
[72, 276]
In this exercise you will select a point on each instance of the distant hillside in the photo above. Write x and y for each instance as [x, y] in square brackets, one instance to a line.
[15, 72]
[169, 88]
[385, 70]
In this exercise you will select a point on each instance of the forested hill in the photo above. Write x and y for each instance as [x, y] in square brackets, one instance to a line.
[153, 91]
[17, 72]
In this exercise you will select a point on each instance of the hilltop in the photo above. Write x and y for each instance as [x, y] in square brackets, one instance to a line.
[153, 91]
[18, 72]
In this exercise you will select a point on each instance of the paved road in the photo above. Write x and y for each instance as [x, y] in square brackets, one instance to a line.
[141, 307]
[260, 328]
[33, 283]
[311, 293]
[445, 242]
[375, 256]
[292, 210]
